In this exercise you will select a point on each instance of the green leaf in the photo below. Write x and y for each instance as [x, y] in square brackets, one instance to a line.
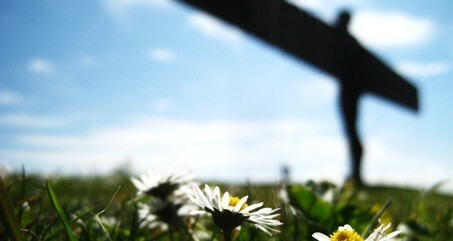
[56, 231]
[57, 206]
[98, 219]
[376, 217]
[7, 216]
[313, 207]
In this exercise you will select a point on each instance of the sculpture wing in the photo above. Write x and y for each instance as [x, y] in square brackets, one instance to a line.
[305, 37]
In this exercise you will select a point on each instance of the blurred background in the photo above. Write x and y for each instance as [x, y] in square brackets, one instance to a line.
[93, 86]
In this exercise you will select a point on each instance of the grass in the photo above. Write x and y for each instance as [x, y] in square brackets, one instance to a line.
[105, 208]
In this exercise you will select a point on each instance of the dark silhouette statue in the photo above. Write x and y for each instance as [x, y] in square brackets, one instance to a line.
[349, 93]
[330, 49]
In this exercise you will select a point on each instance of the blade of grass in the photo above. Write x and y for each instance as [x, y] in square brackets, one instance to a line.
[134, 222]
[7, 215]
[56, 231]
[376, 217]
[102, 211]
[60, 212]
[23, 193]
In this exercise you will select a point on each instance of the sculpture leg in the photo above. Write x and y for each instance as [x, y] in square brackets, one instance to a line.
[349, 98]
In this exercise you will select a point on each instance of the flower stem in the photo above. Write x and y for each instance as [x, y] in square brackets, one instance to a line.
[227, 233]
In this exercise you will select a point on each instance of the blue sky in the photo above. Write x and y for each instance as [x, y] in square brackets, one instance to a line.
[89, 86]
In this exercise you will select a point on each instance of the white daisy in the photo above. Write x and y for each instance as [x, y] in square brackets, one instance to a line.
[161, 214]
[162, 186]
[380, 234]
[347, 233]
[229, 212]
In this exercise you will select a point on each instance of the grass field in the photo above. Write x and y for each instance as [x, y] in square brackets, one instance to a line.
[77, 208]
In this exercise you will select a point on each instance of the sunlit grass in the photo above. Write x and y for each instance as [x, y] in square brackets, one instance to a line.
[107, 208]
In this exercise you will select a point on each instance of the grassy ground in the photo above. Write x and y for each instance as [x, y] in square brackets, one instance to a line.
[426, 213]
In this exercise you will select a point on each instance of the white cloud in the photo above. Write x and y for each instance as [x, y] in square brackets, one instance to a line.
[31, 121]
[122, 8]
[228, 150]
[388, 163]
[41, 66]
[377, 29]
[239, 148]
[318, 91]
[161, 105]
[213, 28]
[162, 55]
[10, 98]
[390, 29]
[419, 69]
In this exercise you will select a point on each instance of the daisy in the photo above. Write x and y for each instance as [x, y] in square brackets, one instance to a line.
[162, 186]
[162, 203]
[347, 233]
[162, 215]
[229, 212]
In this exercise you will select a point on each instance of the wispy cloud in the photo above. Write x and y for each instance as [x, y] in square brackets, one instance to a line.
[121, 9]
[162, 55]
[421, 69]
[318, 91]
[41, 66]
[374, 28]
[391, 29]
[205, 145]
[10, 98]
[31, 121]
[241, 149]
[388, 163]
[378, 29]
[213, 28]
[161, 105]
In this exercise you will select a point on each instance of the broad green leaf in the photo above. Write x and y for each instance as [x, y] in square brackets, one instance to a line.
[313, 207]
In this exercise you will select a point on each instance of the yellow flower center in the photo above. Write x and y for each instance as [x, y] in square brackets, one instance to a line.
[234, 201]
[345, 235]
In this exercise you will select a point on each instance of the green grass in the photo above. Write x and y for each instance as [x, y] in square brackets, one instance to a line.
[69, 208]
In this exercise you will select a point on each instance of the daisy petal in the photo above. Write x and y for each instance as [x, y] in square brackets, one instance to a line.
[252, 207]
[320, 237]
[241, 202]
